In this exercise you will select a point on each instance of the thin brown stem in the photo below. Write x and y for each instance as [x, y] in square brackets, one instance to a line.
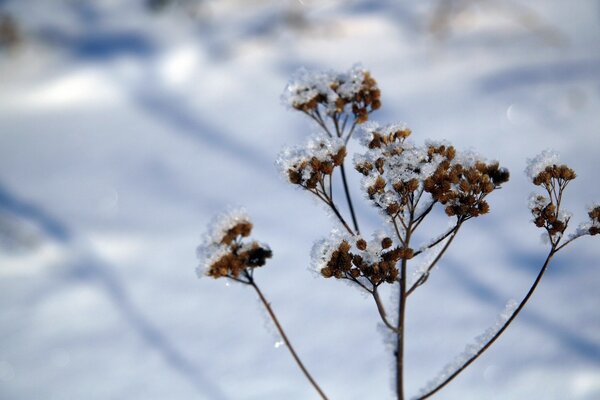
[440, 239]
[381, 310]
[402, 314]
[497, 335]
[286, 340]
[349, 200]
[425, 275]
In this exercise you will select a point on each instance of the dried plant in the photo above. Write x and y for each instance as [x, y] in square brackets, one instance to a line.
[405, 182]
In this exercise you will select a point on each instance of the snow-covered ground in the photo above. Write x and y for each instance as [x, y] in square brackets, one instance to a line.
[123, 130]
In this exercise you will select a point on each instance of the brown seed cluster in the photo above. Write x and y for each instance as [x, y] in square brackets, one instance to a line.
[554, 178]
[545, 215]
[380, 139]
[310, 171]
[554, 174]
[460, 188]
[238, 256]
[344, 264]
[361, 102]
[594, 215]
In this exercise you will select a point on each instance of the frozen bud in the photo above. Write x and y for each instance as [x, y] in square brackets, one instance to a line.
[386, 243]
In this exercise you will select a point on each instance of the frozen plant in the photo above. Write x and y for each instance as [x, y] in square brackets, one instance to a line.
[405, 181]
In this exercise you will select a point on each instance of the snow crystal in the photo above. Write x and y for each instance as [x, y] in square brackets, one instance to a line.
[540, 162]
[224, 221]
[211, 249]
[305, 85]
[473, 348]
[207, 255]
[537, 201]
[584, 227]
[323, 249]
[352, 81]
[368, 129]
[318, 146]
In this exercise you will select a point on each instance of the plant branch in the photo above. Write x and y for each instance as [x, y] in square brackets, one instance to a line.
[348, 199]
[286, 340]
[500, 331]
[425, 275]
[381, 310]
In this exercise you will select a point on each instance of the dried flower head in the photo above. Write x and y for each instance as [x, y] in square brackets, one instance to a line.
[353, 91]
[462, 183]
[396, 170]
[545, 170]
[308, 165]
[547, 216]
[592, 226]
[594, 214]
[224, 253]
[343, 256]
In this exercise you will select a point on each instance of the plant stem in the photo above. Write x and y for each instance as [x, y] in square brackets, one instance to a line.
[497, 335]
[425, 275]
[285, 339]
[401, 315]
[400, 340]
[349, 200]
[381, 310]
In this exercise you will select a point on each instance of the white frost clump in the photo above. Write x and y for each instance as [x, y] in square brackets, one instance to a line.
[211, 249]
[306, 85]
[323, 249]
[546, 158]
[537, 201]
[584, 227]
[318, 146]
[403, 161]
[472, 349]
[368, 129]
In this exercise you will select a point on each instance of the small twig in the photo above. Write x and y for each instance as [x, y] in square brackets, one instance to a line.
[497, 335]
[349, 200]
[285, 339]
[425, 275]
[440, 239]
[381, 310]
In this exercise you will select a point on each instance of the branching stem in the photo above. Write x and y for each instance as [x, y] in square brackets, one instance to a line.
[431, 392]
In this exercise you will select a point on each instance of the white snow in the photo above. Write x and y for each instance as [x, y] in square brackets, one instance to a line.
[535, 165]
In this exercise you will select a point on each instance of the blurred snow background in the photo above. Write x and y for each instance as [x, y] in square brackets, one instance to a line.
[124, 126]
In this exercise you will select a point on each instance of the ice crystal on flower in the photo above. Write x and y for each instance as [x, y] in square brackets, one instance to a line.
[223, 251]
[546, 158]
[305, 165]
[334, 92]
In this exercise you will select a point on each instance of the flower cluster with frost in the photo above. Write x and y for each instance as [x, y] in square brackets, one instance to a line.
[472, 349]
[591, 227]
[546, 158]
[224, 253]
[345, 256]
[307, 165]
[544, 170]
[395, 169]
[334, 92]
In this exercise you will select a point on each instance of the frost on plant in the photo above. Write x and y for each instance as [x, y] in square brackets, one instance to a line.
[225, 251]
[308, 165]
[472, 349]
[405, 181]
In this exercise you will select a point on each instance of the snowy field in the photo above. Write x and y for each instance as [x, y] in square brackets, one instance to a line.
[123, 129]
